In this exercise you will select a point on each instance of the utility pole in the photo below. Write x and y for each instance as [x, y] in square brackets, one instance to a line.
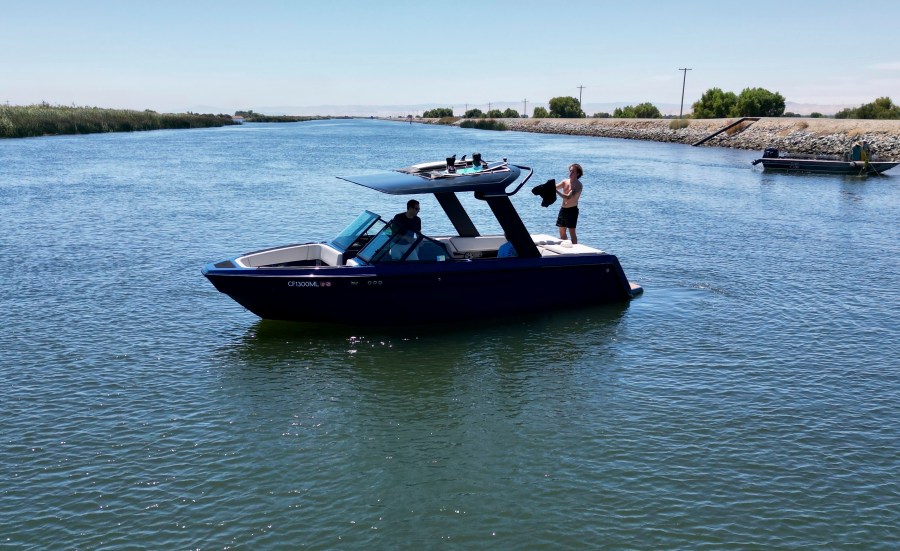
[580, 88]
[683, 82]
[525, 107]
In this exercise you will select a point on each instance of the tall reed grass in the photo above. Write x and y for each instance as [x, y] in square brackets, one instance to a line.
[286, 118]
[24, 121]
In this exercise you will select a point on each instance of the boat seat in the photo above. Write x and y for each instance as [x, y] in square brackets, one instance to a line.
[482, 243]
[432, 251]
[331, 256]
[574, 249]
[295, 253]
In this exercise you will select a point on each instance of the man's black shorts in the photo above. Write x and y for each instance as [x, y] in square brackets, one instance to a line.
[568, 217]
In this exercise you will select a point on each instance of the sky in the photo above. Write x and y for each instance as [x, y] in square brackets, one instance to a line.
[324, 56]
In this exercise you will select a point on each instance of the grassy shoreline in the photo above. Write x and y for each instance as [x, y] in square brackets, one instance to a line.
[26, 121]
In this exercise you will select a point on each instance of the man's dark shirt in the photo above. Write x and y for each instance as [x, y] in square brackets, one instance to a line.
[402, 224]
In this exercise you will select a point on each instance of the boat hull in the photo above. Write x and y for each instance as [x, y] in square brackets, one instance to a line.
[821, 166]
[408, 293]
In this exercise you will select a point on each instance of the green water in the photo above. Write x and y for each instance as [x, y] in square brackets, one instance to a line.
[749, 399]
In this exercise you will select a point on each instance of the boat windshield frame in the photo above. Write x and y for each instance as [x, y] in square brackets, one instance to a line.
[388, 246]
[359, 227]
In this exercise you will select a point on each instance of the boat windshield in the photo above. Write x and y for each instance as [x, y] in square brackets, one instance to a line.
[358, 228]
[390, 247]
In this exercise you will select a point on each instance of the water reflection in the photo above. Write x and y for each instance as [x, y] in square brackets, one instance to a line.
[403, 402]
[406, 404]
[409, 361]
[808, 178]
[267, 337]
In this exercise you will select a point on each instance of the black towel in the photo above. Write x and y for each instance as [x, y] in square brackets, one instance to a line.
[547, 191]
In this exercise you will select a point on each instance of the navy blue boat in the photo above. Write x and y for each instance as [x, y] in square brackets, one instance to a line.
[366, 275]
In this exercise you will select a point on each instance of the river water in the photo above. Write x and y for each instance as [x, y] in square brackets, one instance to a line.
[749, 399]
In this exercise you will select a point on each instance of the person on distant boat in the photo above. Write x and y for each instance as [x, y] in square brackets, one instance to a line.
[570, 191]
[406, 225]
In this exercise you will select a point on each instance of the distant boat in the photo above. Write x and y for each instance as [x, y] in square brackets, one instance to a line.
[773, 159]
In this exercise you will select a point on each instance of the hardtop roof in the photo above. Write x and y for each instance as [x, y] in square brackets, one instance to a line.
[404, 182]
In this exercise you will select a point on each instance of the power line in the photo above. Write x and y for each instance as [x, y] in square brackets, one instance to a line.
[681, 111]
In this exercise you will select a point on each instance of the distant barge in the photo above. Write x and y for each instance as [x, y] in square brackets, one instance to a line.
[856, 163]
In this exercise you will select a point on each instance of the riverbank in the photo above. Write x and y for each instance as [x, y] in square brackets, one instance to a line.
[26, 121]
[800, 135]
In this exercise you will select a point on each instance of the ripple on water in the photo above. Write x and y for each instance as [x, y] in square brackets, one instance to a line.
[747, 399]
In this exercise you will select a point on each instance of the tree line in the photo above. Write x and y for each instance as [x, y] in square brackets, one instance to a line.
[251, 116]
[442, 112]
[713, 104]
[881, 108]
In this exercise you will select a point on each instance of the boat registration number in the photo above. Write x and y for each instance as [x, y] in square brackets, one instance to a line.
[295, 283]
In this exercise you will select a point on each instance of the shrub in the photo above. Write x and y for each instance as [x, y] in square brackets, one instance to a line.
[483, 124]
[566, 107]
[678, 124]
[881, 108]
[752, 102]
[759, 102]
[438, 112]
[642, 111]
[714, 104]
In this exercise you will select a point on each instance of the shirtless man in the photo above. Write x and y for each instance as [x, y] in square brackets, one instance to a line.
[570, 191]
